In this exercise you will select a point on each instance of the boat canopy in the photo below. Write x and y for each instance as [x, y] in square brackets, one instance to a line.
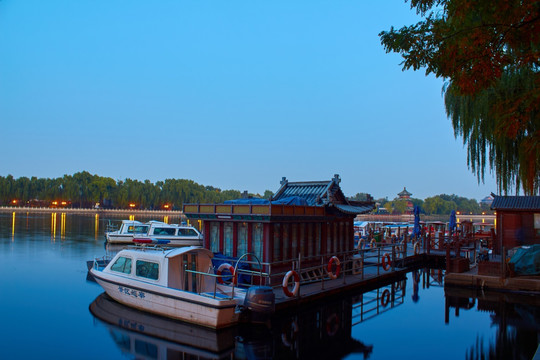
[188, 249]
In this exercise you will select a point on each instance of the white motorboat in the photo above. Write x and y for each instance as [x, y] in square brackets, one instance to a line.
[182, 284]
[127, 231]
[175, 234]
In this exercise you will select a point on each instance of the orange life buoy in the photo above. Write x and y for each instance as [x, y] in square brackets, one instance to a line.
[386, 261]
[230, 268]
[417, 248]
[385, 298]
[358, 266]
[288, 336]
[332, 325]
[285, 284]
[331, 274]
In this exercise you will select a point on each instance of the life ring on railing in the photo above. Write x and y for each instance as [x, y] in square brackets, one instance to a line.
[285, 284]
[385, 298]
[417, 248]
[230, 268]
[331, 274]
[401, 246]
[358, 266]
[332, 325]
[288, 335]
[386, 262]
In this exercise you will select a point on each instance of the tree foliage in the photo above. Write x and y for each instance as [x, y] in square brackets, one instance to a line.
[488, 51]
[85, 190]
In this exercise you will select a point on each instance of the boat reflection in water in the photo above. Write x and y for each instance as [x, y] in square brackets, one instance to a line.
[148, 336]
[516, 318]
[320, 330]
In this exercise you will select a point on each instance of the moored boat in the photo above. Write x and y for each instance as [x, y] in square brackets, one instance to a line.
[181, 283]
[152, 231]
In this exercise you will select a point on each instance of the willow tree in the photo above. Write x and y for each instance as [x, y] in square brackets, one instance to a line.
[488, 53]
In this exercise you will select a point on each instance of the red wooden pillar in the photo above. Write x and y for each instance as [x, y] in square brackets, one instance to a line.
[250, 238]
[235, 239]
[206, 238]
[221, 236]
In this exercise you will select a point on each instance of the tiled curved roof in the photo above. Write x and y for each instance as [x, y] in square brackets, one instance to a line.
[516, 203]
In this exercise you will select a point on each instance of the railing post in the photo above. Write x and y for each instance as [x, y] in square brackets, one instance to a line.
[378, 259]
[448, 258]
[393, 257]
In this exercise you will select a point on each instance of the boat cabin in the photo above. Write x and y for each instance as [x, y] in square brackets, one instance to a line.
[165, 267]
[303, 221]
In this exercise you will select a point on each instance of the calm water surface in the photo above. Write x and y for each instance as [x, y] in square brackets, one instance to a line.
[48, 309]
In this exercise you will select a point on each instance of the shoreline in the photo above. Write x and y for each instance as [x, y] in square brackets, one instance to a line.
[8, 209]
[364, 217]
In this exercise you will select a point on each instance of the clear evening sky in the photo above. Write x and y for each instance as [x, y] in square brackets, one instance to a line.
[233, 94]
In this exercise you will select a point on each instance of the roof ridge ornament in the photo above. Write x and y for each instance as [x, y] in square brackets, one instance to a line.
[284, 181]
[336, 179]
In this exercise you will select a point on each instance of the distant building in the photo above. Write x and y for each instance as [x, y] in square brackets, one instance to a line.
[405, 196]
[487, 201]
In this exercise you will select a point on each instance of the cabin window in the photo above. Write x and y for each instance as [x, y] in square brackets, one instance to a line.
[187, 232]
[214, 237]
[122, 264]
[257, 240]
[164, 231]
[302, 238]
[147, 269]
[277, 242]
[228, 245]
[328, 238]
[285, 242]
[335, 240]
[341, 236]
[294, 242]
[318, 239]
[311, 243]
[133, 229]
[242, 230]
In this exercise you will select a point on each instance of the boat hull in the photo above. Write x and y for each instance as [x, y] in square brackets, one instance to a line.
[172, 303]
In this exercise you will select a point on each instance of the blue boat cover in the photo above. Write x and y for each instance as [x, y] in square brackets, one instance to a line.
[291, 200]
[526, 260]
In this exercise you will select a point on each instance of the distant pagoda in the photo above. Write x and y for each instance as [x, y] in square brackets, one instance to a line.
[404, 194]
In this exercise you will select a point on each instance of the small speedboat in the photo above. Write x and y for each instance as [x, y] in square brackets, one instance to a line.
[182, 284]
[175, 234]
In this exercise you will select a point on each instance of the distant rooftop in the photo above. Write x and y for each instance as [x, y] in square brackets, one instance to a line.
[404, 193]
[322, 193]
[516, 203]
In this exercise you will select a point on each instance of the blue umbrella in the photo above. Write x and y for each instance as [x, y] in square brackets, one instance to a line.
[416, 229]
[453, 223]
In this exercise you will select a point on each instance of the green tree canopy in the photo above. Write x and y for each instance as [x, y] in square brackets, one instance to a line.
[488, 52]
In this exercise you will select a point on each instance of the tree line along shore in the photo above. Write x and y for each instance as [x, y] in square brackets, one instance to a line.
[89, 192]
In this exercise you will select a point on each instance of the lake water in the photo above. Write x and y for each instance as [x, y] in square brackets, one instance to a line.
[48, 309]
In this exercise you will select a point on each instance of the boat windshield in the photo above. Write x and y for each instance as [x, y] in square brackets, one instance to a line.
[137, 229]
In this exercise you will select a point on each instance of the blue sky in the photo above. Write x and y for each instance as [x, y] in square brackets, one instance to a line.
[233, 94]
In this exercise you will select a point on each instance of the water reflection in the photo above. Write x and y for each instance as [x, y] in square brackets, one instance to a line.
[96, 226]
[318, 330]
[63, 226]
[148, 336]
[515, 317]
[53, 227]
[13, 227]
